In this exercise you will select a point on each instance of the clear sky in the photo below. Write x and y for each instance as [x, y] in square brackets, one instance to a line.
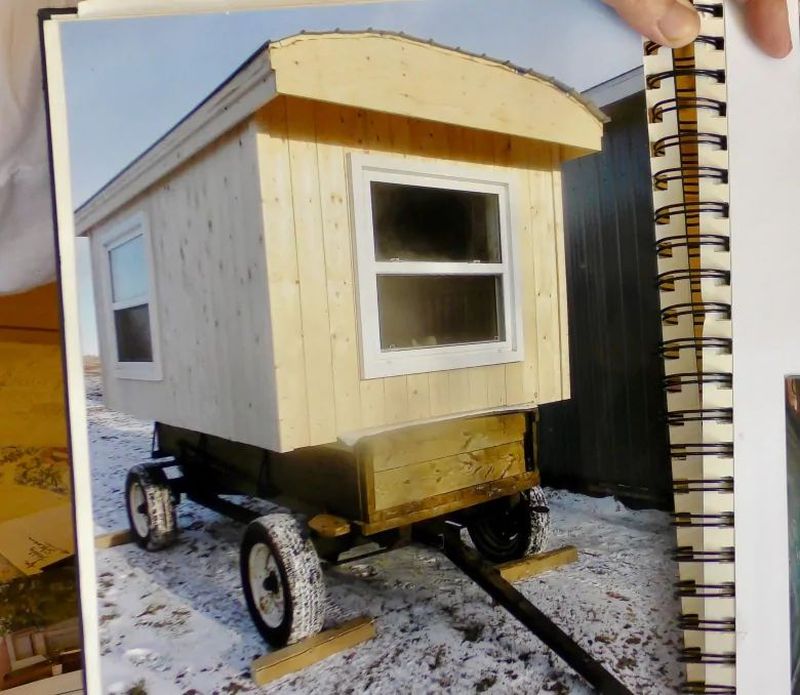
[129, 81]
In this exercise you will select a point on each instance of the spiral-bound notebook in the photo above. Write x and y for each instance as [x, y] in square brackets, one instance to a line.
[721, 154]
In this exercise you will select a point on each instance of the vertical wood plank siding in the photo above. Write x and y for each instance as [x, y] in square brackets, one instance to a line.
[309, 249]
[256, 297]
[212, 299]
[612, 437]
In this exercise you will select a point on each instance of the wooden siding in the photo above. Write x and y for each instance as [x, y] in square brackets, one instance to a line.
[302, 151]
[212, 300]
[390, 73]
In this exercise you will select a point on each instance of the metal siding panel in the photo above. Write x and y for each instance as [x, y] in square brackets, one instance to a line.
[611, 438]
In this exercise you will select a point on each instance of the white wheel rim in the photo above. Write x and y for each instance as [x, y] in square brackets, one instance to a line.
[138, 506]
[266, 586]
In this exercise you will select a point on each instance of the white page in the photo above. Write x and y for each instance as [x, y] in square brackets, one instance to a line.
[764, 132]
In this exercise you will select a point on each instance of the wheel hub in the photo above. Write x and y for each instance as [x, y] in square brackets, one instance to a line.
[265, 584]
[138, 507]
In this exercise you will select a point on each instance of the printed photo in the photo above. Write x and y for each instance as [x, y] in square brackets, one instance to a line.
[374, 399]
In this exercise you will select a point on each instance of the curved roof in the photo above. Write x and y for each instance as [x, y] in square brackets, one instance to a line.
[375, 70]
[396, 73]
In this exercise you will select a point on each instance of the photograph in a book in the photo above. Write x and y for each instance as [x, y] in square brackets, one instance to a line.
[40, 639]
[362, 350]
[793, 484]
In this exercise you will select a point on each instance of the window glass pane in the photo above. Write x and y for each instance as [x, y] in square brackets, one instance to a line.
[419, 311]
[416, 223]
[128, 270]
[133, 334]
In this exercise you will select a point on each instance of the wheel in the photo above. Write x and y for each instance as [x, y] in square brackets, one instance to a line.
[511, 528]
[151, 507]
[282, 580]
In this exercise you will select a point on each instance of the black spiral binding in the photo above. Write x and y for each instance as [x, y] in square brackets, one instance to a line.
[688, 588]
[695, 212]
[689, 554]
[693, 621]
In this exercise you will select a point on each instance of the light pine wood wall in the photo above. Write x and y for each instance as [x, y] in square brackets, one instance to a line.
[302, 152]
[254, 273]
[212, 300]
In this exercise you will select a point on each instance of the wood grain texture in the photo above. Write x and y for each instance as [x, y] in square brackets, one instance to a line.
[283, 277]
[256, 279]
[396, 449]
[113, 539]
[329, 526]
[533, 565]
[419, 481]
[546, 272]
[310, 651]
[312, 270]
[412, 78]
[428, 508]
[213, 305]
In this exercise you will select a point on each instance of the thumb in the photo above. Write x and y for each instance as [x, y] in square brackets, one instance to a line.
[672, 23]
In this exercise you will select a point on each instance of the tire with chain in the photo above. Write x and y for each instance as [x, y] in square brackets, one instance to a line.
[151, 507]
[511, 528]
[282, 580]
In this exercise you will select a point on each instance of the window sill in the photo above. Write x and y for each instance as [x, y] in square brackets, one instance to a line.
[403, 363]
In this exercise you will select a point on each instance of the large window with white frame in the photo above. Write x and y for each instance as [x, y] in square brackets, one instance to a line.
[129, 292]
[436, 266]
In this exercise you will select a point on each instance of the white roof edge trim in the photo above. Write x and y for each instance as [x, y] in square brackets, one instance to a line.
[617, 88]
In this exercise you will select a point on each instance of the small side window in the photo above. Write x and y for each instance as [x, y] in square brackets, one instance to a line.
[131, 298]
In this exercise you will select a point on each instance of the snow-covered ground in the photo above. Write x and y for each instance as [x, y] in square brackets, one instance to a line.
[175, 621]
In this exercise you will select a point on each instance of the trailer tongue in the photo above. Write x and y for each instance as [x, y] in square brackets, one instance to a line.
[446, 537]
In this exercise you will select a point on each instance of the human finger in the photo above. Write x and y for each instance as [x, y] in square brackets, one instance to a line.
[768, 25]
[672, 23]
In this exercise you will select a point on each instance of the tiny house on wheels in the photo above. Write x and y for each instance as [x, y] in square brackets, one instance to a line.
[339, 283]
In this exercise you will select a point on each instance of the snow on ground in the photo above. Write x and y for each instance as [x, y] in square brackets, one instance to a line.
[175, 621]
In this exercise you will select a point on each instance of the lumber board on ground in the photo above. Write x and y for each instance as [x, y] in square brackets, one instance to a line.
[113, 539]
[310, 651]
[533, 565]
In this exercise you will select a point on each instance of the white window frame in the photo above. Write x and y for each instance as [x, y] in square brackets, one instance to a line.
[131, 227]
[378, 363]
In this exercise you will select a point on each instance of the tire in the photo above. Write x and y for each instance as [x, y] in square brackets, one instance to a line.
[282, 580]
[151, 508]
[511, 528]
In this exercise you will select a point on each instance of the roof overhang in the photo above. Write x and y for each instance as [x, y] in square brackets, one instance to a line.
[378, 71]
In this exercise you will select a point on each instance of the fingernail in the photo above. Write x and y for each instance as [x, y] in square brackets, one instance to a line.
[678, 24]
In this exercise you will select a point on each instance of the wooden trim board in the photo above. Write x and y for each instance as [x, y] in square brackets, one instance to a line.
[534, 565]
[449, 502]
[310, 651]
[113, 539]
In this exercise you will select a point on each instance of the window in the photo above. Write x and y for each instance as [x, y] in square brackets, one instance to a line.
[437, 284]
[132, 321]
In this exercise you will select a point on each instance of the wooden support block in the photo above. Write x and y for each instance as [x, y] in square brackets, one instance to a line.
[115, 538]
[532, 565]
[298, 656]
[329, 526]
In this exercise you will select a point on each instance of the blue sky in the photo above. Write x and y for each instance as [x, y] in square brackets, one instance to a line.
[129, 81]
